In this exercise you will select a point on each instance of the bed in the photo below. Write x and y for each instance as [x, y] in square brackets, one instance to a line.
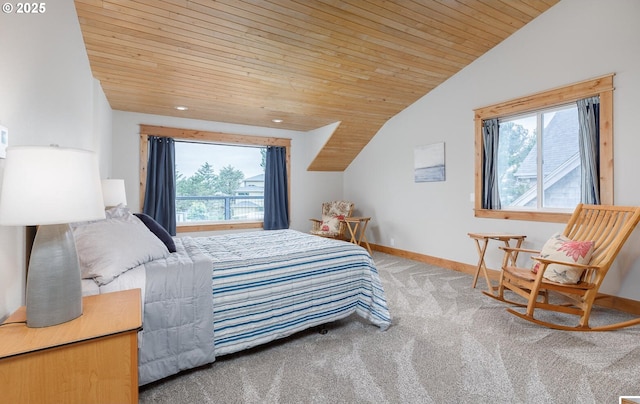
[210, 296]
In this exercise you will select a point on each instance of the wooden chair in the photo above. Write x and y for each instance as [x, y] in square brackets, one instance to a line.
[608, 227]
[331, 224]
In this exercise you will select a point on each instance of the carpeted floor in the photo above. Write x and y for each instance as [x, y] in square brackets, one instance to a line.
[448, 344]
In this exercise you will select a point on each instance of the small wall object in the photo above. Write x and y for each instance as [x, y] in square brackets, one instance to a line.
[429, 163]
[4, 141]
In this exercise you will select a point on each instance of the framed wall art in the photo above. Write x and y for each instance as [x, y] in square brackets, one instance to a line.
[429, 164]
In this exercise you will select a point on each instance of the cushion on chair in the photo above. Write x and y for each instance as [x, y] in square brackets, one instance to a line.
[337, 208]
[330, 224]
[561, 248]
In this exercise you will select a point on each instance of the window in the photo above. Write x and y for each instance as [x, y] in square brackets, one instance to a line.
[219, 182]
[538, 160]
[237, 197]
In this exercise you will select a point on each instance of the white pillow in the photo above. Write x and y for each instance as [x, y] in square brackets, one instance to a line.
[561, 248]
[330, 224]
[119, 212]
[110, 247]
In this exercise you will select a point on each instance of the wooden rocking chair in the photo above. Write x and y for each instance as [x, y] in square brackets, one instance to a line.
[607, 227]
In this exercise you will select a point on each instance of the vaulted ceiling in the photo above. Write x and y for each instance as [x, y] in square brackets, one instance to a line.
[307, 62]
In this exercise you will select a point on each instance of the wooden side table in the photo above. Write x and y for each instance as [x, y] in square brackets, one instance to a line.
[91, 359]
[482, 241]
[355, 224]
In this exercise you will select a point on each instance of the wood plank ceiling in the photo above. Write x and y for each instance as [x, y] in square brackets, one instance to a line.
[307, 62]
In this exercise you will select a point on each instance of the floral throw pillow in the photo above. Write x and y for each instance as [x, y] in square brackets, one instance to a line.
[331, 224]
[561, 248]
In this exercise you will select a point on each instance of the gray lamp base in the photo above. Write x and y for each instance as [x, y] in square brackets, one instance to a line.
[54, 290]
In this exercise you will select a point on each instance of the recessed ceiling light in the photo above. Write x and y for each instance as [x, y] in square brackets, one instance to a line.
[181, 108]
[276, 120]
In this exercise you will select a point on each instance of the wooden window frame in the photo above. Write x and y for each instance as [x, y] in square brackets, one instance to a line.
[212, 137]
[600, 86]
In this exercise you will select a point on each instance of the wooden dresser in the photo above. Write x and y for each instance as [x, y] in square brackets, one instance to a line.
[91, 359]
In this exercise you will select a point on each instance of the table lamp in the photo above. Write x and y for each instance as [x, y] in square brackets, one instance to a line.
[113, 193]
[51, 187]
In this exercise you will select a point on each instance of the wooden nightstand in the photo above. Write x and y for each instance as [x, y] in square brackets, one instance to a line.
[91, 359]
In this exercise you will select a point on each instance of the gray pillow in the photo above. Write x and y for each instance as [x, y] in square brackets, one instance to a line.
[109, 247]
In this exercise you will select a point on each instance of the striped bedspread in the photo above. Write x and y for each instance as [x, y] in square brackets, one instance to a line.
[271, 284]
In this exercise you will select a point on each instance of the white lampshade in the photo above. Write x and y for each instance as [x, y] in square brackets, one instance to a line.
[113, 192]
[50, 185]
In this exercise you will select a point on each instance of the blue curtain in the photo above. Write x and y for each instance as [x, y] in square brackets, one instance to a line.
[276, 197]
[160, 195]
[589, 135]
[490, 137]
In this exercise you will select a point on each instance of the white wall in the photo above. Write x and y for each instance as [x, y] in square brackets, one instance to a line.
[47, 96]
[308, 189]
[573, 41]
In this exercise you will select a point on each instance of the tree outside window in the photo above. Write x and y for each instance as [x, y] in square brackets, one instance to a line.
[209, 196]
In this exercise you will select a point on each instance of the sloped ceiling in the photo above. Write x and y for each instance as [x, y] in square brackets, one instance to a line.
[307, 62]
